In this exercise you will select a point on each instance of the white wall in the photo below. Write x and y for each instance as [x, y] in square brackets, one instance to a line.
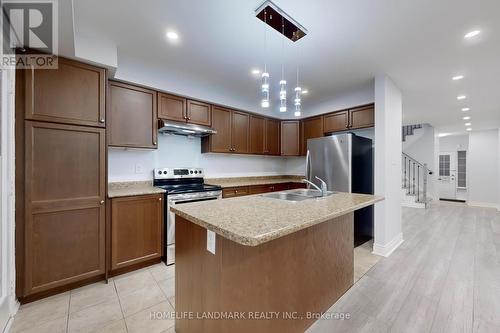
[483, 168]
[388, 149]
[180, 151]
[453, 143]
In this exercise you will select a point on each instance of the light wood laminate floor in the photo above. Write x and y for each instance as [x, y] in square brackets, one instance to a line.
[445, 277]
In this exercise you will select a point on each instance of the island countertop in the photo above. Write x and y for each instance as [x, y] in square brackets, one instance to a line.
[254, 220]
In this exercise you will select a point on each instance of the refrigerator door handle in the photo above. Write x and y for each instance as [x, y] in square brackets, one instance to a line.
[308, 166]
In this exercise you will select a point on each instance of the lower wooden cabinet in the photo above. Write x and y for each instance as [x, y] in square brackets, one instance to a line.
[136, 230]
[235, 191]
[240, 191]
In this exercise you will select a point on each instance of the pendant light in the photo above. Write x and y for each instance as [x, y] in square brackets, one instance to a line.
[265, 75]
[298, 93]
[283, 81]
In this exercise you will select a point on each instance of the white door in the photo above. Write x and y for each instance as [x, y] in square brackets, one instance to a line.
[447, 177]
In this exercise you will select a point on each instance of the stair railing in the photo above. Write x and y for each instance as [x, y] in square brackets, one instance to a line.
[415, 178]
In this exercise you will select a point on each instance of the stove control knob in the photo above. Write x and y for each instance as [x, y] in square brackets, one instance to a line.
[159, 172]
[191, 171]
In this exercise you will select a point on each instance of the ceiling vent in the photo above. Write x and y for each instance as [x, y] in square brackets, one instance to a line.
[274, 16]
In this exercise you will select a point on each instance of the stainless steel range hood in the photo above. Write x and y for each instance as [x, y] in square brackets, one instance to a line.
[181, 128]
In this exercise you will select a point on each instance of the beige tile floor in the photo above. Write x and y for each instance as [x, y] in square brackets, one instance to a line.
[125, 303]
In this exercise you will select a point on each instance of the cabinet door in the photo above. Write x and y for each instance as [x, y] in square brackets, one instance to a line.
[335, 122]
[64, 202]
[136, 229]
[313, 128]
[132, 116]
[290, 138]
[239, 132]
[171, 107]
[71, 94]
[199, 113]
[220, 142]
[257, 125]
[272, 137]
[235, 192]
[362, 117]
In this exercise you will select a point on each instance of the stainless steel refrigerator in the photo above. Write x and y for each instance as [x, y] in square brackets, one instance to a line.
[345, 163]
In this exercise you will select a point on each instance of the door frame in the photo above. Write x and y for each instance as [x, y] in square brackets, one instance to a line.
[8, 301]
[453, 174]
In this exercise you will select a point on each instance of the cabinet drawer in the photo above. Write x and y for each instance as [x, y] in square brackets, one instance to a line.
[292, 186]
[235, 192]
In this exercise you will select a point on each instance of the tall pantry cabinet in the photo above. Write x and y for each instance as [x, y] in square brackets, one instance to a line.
[60, 177]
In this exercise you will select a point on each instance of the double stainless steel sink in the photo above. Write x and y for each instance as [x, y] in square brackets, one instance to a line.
[296, 195]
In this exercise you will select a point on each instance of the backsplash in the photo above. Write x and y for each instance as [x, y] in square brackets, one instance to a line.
[180, 151]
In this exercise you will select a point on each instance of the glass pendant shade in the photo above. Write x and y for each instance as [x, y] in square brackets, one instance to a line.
[297, 101]
[265, 90]
[282, 96]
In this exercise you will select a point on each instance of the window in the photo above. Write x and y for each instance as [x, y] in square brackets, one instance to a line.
[444, 165]
[462, 169]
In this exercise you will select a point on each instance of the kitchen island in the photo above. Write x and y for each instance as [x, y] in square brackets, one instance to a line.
[275, 265]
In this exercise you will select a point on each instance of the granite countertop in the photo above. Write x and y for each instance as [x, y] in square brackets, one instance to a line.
[250, 181]
[127, 189]
[254, 220]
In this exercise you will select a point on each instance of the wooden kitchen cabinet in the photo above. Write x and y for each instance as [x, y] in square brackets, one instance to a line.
[132, 116]
[231, 192]
[272, 136]
[312, 128]
[64, 194]
[220, 142]
[136, 230]
[257, 135]
[171, 107]
[71, 94]
[335, 122]
[198, 113]
[362, 117]
[240, 124]
[290, 138]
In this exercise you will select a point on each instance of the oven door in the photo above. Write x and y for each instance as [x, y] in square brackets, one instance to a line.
[179, 199]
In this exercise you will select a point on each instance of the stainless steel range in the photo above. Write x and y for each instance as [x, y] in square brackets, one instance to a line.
[182, 185]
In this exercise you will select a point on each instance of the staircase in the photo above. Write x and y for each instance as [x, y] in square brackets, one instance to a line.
[414, 183]
[409, 130]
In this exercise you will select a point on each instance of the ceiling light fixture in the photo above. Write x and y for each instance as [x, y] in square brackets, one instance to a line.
[305, 92]
[282, 81]
[457, 78]
[172, 35]
[472, 34]
[468, 124]
[466, 118]
[255, 71]
[265, 75]
[465, 109]
[468, 129]
[461, 97]
[441, 135]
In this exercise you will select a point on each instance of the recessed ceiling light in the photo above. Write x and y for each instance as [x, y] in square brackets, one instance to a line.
[443, 134]
[466, 118]
[461, 97]
[255, 71]
[469, 129]
[305, 91]
[468, 124]
[465, 109]
[472, 34]
[172, 35]
[457, 77]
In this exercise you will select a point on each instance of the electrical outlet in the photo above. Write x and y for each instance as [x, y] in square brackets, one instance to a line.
[139, 168]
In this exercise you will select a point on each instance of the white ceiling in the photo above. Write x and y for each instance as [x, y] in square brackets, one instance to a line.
[419, 44]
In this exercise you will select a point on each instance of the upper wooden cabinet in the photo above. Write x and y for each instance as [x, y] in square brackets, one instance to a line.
[290, 138]
[335, 122]
[257, 135]
[362, 117]
[198, 113]
[233, 130]
[272, 136]
[132, 116]
[312, 128]
[72, 94]
[136, 229]
[240, 124]
[171, 107]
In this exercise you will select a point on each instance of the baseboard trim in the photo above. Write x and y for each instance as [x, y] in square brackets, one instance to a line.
[483, 204]
[387, 249]
[413, 205]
